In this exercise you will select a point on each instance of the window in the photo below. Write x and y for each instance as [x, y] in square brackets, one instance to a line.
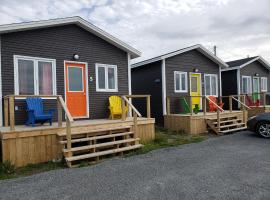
[180, 81]
[106, 78]
[211, 84]
[263, 84]
[246, 85]
[34, 76]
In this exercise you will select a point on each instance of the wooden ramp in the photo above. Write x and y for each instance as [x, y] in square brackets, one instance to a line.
[227, 124]
[92, 145]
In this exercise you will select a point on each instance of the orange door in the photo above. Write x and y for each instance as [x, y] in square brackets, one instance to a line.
[76, 98]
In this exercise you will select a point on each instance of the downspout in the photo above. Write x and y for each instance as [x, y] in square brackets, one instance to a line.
[129, 81]
[163, 74]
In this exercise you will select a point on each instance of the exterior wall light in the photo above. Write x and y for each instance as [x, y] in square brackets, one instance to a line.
[76, 57]
[256, 74]
[196, 70]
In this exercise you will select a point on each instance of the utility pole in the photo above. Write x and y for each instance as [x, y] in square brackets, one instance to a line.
[215, 50]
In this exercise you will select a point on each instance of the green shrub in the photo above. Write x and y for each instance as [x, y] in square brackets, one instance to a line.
[7, 167]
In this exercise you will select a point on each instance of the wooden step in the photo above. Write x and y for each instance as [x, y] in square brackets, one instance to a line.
[87, 147]
[95, 130]
[91, 138]
[221, 118]
[102, 153]
[228, 121]
[232, 125]
[233, 130]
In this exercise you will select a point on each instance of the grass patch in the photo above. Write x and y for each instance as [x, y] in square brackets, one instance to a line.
[165, 138]
[8, 170]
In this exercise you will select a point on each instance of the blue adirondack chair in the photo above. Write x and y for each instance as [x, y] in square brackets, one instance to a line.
[36, 112]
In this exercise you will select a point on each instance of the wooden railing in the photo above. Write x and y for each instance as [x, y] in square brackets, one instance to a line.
[126, 101]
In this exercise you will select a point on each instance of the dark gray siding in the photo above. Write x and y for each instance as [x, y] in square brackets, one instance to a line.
[252, 69]
[187, 62]
[147, 80]
[61, 43]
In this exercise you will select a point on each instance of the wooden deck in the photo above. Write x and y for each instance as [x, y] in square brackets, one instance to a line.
[196, 123]
[258, 110]
[26, 145]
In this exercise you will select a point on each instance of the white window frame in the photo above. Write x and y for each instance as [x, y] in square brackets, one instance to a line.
[250, 83]
[106, 66]
[264, 80]
[211, 75]
[36, 78]
[180, 86]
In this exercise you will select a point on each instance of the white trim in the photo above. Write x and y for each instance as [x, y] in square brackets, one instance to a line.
[220, 81]
[36, 77]
[163, 74]
[129, 74]
[266, 81]
[199, 47]
[71, 20]
[190, 73]
[1, 93]
[186, 82]
[238, 82]
[230, 68]
[106, 67]
[86, 86]
[211, 75]
[250, 83]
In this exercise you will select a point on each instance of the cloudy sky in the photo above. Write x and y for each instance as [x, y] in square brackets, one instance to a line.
[238, 28]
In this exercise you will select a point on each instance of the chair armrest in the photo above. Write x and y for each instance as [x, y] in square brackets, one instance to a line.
[32, 111]
[51, 111]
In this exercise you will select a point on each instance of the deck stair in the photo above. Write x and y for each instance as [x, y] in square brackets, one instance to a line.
[93, 145]
[228, 124]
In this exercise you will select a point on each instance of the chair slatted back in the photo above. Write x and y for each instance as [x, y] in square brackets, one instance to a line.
[116, 103]
[35, 104]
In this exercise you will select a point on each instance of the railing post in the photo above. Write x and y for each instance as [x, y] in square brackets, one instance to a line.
[190, 102]
[6, 111]
[68, 137]
[264, 99]
[123, 110]
[148, 107]
[59, 112]
[230, 103]
[218, 120]
[135, 127]
[168, 103]
[11, 113]
[204, 105]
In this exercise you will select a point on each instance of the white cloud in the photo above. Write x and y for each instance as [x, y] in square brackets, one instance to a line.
[237, 27]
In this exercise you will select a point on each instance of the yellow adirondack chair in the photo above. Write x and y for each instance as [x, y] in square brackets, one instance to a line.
[116, 107]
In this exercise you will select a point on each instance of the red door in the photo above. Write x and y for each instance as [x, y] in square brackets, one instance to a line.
[76, 95]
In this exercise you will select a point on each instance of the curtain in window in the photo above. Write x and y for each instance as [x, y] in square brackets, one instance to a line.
[45, 78]
[26, 76]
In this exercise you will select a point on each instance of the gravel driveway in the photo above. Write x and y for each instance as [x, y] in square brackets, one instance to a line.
[230, 167]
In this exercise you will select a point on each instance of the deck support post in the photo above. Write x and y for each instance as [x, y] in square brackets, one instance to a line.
[6, 111]
[230, 103]
[11, 113]
[218, 120]
[68, 136]
[204, 106]
[135, 121]
[59, 112]
[168, 104]
[148, 106]
[264, 100]
[190, 102]
[123, 110]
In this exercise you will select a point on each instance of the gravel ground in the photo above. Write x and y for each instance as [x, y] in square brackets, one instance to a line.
[229, 167]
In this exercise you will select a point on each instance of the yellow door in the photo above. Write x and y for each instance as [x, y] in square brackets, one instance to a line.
[195, 89]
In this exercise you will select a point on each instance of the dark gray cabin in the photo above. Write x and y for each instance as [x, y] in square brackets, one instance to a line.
[161, 75]
[47, 57]
[246, 76]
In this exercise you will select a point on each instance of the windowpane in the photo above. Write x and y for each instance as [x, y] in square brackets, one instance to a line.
[264, 84]
[26, 76]
[245, 85]
[111, 78]
[101, 78]
[177, 82]
[75, 79]
[45, 77]
[183, 82]
[207, 85]
[213, 85]
[194, 84]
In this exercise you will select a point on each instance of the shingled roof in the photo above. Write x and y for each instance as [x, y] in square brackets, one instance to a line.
[239, 62]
